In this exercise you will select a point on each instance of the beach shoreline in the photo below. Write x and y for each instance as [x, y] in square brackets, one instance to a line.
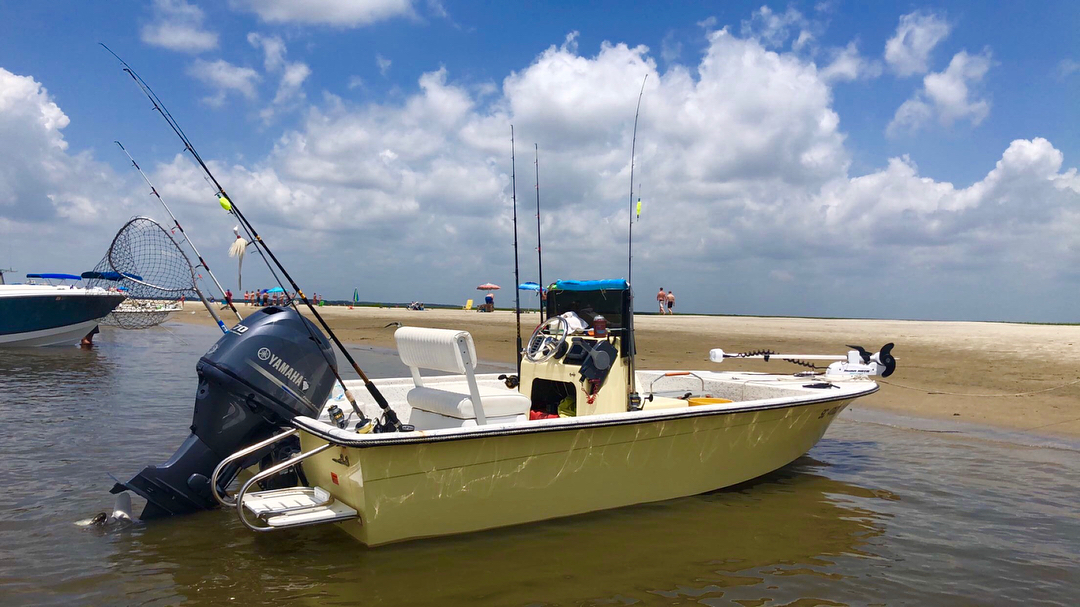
[1009, 376]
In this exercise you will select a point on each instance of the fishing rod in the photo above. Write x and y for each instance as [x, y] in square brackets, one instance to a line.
[198, 255]
[539, 251]
[630, 238]
[517, 278]
[633, 148]
[392, 422]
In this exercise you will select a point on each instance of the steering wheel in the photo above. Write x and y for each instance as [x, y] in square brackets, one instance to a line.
[547, 339]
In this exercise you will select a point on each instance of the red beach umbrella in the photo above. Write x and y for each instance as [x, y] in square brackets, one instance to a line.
[487, 286]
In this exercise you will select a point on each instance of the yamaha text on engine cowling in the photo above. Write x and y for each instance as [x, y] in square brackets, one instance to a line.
[258, 376]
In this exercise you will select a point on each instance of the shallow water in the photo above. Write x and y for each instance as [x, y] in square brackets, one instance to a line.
[874, 515]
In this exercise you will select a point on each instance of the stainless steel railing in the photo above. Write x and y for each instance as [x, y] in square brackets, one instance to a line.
[225, 500]
[272, 470]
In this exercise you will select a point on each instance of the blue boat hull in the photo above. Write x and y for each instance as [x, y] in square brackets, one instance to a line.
[53, 319]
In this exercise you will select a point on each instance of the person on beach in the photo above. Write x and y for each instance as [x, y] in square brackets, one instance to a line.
[671, 302]
[661, 297]
[489, 301]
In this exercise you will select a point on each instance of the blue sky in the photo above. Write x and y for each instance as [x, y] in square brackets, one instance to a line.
[902, 160]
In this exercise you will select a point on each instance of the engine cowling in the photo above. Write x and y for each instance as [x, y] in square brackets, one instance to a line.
[270, 368]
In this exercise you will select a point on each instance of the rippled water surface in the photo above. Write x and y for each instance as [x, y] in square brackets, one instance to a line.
[874, 515]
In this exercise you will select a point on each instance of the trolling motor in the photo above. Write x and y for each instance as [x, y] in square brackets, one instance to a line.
[268, 369]
[857, 363]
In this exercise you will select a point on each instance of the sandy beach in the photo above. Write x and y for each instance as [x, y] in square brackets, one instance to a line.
[1009, 376]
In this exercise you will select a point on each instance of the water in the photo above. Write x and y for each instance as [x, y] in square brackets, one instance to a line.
[874, 515]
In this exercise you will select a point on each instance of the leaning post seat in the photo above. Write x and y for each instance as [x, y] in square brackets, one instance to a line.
[452, 402]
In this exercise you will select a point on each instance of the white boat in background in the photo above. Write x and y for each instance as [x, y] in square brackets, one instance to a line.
[134, 312]
[578, 430]
[51, 314]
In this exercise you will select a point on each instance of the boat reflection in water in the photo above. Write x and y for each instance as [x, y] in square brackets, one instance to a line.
[776, 537]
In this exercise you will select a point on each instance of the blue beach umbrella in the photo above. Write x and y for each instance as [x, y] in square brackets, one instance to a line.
[529, 286]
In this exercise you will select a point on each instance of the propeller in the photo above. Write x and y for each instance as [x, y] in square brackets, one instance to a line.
[885, 357]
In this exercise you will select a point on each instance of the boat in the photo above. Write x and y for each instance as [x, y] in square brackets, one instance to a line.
[578, 429]
[51, 310]
[141, 313]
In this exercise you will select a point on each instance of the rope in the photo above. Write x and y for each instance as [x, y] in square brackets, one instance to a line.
[1065, 385]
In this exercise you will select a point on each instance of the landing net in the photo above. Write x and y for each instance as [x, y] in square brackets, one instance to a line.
[146, 264]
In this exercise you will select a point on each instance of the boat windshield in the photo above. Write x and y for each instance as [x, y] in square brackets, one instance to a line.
[610, 303]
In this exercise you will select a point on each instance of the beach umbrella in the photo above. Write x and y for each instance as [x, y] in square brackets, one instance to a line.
[529, 286]
[487, 286]
[275, 290]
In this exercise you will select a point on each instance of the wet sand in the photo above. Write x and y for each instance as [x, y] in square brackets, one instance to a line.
[1009, 376]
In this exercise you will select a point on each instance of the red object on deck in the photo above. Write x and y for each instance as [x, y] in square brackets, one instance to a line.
[534, 414]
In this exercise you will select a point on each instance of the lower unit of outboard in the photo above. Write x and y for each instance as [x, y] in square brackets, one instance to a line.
[265, 371]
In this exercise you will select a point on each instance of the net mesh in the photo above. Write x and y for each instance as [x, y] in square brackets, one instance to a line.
[146, 263]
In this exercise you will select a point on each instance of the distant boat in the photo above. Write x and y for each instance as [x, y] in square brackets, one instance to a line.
[51, 314]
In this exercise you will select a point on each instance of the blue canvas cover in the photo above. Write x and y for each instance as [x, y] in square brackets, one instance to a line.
[55, 276]
[591, 285]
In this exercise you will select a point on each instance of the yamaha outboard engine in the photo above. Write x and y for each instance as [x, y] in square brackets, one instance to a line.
[262, 373]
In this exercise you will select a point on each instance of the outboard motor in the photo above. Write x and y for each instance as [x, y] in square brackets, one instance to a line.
[265, 371]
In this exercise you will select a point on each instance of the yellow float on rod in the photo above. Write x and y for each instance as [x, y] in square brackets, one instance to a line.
[225, 204]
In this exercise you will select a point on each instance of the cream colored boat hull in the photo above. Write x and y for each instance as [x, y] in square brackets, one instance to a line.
[409, 491]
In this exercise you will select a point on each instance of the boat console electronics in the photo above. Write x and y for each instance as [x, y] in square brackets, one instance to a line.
[581, 359]
[266, 370]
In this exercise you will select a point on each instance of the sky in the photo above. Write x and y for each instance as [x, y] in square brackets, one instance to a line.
[897, 160]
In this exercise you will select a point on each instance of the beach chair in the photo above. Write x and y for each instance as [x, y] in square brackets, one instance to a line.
[468, 305]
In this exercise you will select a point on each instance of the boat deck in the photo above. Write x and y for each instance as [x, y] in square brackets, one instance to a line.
[746, 391]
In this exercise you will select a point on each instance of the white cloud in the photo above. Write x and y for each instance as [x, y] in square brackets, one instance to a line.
[435, 7]
[273, 48]
[382, 63]
[1026, 193]
[670, 48]
[293, 74]
[908, 51]
[946, 95]
[774, 29]
[847, 64]
[749, 199]
[225, 77]
[341, 13]
[1067, 67]
[755, 175]
[178, 26]
[47, 193]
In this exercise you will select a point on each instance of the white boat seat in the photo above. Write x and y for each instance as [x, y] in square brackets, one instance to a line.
[452, 352]
[453, 400]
